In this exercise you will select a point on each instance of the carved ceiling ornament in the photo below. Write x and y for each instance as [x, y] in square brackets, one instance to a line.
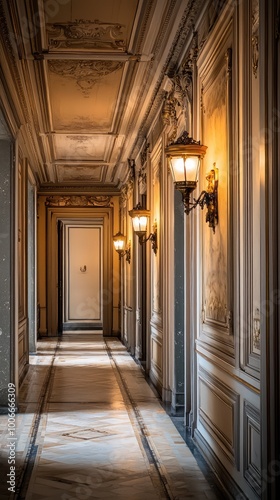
[81, 139]
[84, 34]
[78, 201]
[85, 73]
[194, 48]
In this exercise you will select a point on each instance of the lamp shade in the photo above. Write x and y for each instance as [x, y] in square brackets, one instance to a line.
[139, 219]
[119, 242]
[184, 158]
[184, 168]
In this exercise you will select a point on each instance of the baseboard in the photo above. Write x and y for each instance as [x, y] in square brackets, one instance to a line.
[232, 490]
[80, 326]
[155, 381]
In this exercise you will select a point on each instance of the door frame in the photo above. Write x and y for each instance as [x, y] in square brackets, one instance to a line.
[67, 224]
[54, 215]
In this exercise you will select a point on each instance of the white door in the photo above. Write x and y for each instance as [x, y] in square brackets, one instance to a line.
[83, 271]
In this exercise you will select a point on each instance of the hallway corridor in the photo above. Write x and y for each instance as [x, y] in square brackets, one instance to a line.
[89, 426]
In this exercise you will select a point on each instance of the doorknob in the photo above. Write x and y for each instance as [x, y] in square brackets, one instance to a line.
[83, 269]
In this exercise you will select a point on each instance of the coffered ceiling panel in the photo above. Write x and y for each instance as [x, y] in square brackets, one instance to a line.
[89, 25]
[95, 148]
[93, 72]
[83, 94]
[80, 173]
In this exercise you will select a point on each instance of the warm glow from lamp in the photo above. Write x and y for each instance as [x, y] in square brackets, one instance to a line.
[119, 242]
[140, 224]
[139, 217]
[184, 168]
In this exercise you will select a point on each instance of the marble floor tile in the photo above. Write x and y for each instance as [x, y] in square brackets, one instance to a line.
[90, 427]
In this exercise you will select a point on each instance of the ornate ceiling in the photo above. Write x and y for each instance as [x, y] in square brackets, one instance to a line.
[93, 73]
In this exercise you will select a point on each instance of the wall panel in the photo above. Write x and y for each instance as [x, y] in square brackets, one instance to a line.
[23, 347]
[219, 414]
[156, 276]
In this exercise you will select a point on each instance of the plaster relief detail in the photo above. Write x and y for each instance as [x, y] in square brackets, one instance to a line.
[256, 331]
[79, 138]
[84, 34]
[85, 73]
[180, 96]
[126, 193]
[66, 173]
[169, 116]
[78, 201]
[183, 90]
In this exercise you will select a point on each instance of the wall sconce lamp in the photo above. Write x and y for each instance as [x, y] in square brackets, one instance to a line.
[119, 244]
[184, 157]
[140, 222]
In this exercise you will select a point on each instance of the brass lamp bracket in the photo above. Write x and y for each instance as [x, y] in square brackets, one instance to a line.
[208, 198]
[126, 253]
[152, 237]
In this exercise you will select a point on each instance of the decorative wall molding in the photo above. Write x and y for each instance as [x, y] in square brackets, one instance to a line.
[88, 214]
[250, 199]
[169, 115]
[142, 179]
[156, 370]
[185, 27]
[126, 193]
[83, 34]
[78, 201]
[229, 401]
[218, 465]
[256, 331]
[182, 82]
[252, 465]
[145, 16]
[180, 95]
[183, 90]
[214, 68]
[255, 54]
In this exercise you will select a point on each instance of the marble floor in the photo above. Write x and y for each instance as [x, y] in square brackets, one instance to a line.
[90, 427]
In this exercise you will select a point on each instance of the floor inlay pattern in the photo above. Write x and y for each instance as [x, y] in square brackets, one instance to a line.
[90, 427]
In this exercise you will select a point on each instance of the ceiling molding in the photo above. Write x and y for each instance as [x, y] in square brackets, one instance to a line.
[87, 90]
